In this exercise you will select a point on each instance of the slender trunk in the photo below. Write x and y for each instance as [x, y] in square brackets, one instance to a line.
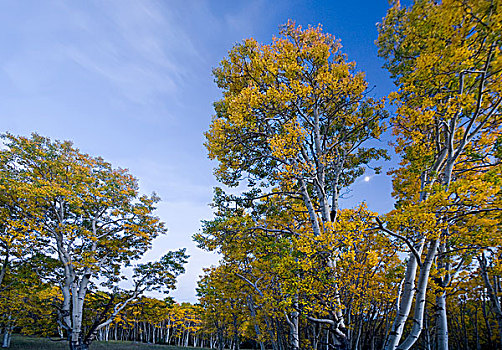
[441, 322]
[185, 341]
[464, 328]
[6, 338]
[310, 208]
[316, 335]
[255, 321]
[423, 278]
[443, 282]
[405, 299]
[275, 342]
[327, 339]
[358, 337]
[168, 333]
[336, 194]
[220, 339]
[427, 333]
[492, 294]
[295, 336]
[478, 344]
[487, 321]
[7, 332]
[407, 295]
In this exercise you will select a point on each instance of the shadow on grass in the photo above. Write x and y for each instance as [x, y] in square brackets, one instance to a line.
[32, 343]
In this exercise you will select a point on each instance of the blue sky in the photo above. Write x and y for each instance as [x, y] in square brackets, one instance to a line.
[131, 81]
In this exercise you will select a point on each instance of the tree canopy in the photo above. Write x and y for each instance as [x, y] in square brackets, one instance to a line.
[90, 216]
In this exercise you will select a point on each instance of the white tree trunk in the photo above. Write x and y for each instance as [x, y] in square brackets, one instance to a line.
[405, 299]
[441, 322]
[492, 295]
[418, 317]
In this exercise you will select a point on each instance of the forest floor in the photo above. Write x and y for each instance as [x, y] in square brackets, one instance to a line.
[32, 343]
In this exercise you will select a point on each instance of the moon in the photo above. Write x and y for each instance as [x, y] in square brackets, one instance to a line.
[367, 178]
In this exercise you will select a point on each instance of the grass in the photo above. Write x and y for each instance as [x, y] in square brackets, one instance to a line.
[32, 343]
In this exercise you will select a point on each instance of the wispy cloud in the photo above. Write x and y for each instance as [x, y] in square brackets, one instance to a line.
[145, 52]
[240, 20]
[131, 81]
[138, 49]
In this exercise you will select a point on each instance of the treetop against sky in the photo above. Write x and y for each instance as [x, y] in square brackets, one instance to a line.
[132, 82]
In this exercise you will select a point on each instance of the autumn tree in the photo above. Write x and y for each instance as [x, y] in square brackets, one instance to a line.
[294, 119]
[365, 281]
[92, 218]
[274, 263]
[445, 60]
[257, 241]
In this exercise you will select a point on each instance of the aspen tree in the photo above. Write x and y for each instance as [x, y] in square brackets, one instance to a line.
[294, 118]
[445, 60]
[92, 218]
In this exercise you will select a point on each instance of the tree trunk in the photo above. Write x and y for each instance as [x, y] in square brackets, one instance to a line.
[405, 299]
[7, 332]
[441, 322]
[443, 282]
[295, 336]
[220, 339]
[78, 346]
[255, 321]
[423, 279]
[492, 295]
[237, 341]
[7, 335]
[487, 322]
